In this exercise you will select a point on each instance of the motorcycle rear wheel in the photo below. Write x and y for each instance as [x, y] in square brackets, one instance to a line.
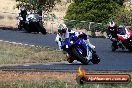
[130, 46]
[95, 59]
[42, 29]
[130, 50]
[27, 29]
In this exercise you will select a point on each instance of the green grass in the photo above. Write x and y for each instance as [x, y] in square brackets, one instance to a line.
[56, 84]
[33, 84]
[20, 54]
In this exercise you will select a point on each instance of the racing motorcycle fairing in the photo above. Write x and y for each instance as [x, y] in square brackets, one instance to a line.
[77, 48]
[125, 37]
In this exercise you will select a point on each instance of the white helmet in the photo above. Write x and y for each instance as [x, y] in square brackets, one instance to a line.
[64, 25]
[62, 28]
[112, 24]
[22, 8]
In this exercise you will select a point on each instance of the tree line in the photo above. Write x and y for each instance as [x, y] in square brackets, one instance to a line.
[100, 11]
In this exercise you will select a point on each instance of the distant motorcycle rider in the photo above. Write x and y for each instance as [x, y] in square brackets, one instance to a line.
[112, 33]
[112, 29]
[23, 12]
[64, 33]
[21, 19]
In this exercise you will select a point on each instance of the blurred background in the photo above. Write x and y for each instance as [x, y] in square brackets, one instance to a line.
[60, 13]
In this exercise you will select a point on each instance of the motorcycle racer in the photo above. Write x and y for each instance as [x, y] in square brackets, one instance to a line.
[64, 33]
[23, 12]
[112, 32]
[112, 29]
[21, 19]
[124, 38]
[116, 35]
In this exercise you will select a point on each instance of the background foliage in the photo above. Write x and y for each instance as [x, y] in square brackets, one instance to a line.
[39, 5]
[81, 12]
[93, 10]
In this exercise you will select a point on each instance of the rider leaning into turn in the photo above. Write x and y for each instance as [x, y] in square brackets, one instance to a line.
[64, 33]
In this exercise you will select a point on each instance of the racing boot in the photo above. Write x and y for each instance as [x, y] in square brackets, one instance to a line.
[69, 58]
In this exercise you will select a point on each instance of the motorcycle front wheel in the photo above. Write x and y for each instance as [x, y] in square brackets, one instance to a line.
[27, 28]
[79, 56]
[114, 46]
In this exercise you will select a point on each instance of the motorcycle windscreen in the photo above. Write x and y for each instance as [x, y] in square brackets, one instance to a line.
[121, 31]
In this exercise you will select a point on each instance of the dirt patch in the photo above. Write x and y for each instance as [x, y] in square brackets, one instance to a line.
[62, 76]
[20, 75]
[8, 13]
[11, 53]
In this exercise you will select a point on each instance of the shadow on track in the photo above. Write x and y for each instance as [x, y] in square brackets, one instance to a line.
[16, 29]
[8, 28]
[121, 51]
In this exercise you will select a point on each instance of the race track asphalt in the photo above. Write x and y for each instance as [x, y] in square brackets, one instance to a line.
[119, 60]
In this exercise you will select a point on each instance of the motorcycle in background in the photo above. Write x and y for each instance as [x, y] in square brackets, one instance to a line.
[77, 50]
[34, 24]
[124, 40]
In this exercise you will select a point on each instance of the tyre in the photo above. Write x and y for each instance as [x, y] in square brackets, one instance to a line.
[78, 56]
[113, 48]
[35, 27]
[42, 29]
[27, 28]
[81, 80]
[130, 50]
[130, 46]
[95, 59]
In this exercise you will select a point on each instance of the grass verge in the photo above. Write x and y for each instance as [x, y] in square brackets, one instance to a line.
[21, 54]
[56, 84]
[48, 80]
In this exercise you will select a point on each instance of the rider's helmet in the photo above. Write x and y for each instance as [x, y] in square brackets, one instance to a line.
[112, 24]
[23, 12]
[62, 28]
[22, 8]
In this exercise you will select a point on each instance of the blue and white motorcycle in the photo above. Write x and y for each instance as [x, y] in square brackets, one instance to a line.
[77, 50]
